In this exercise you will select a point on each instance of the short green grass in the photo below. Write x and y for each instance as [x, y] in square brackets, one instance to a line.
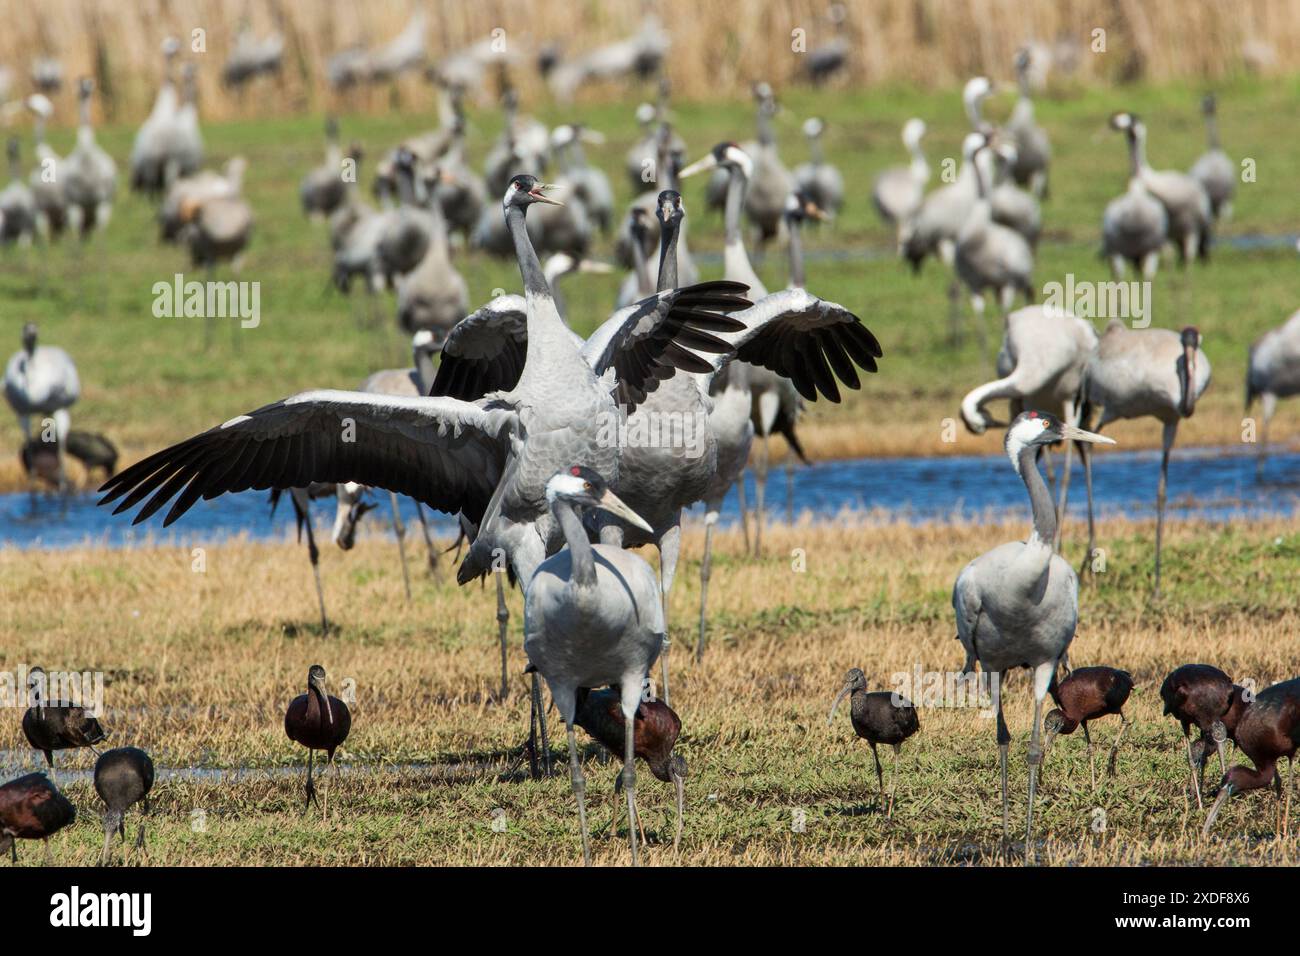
[148, 381]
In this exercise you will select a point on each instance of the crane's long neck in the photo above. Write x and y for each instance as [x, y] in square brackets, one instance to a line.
[38, 131]
[1040, 501]
[796, 252]
[582, 557]
[1139, 143]
[438, 241]
[424, 370]
[765, 135]
[550, 347]
[736, 264]
[668, 232]
[919, 166]
[85, 132]
[815, 149]
[1134, 157]
[1212, 130]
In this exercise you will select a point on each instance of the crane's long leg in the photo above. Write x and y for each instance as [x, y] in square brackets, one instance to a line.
[1042, 678]
[670, 545]
[629, 780]
[1086, 454]
[313, 553]
[760, 493]
[503, 624]
[706, 571]
[430, 546]
[1167, 442]
[1004, 741]
[399, 529]
[743, 505]
[1114, 748]
[580, 792]
[789, 487]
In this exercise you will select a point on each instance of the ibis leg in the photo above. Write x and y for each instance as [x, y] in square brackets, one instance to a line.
[399, 529]
[311, 787]
[893, 781]
[503, 625]
[1114, 748]
[629, 781]
[680, 784]
[1092, 763]
[1191, 768]
[580, 793]
[706, 571]
[880, 778]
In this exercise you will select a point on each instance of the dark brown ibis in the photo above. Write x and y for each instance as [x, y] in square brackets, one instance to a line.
[879, 717]
[1201, 695]
[655, 730]
[318, 722]
[32, 808]
[123, 778]
[57, 725]
[1269, 730]
[1088, 693]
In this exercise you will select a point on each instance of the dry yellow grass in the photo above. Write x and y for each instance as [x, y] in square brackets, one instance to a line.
[201, 665]
[720, 45]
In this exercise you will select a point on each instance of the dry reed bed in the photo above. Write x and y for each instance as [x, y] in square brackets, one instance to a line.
[201, 665]
[720, 46]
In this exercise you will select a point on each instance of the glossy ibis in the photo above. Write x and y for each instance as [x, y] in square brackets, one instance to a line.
[1269, 729]
[57, 725]
[318, 722]
[880, 717]
[1204, 696]
[1017, 605]
[32, 808]
[1087, 694]
[592, 617]
[123, 777]
[655, 729]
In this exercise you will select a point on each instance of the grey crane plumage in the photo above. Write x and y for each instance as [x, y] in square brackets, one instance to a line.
[41, 380]
[1033, 148]
[1187, 205]
[90, 174]
[1134, 225]
[899, 191]
[770, 182]
[1216, 173]
[434, 295]
[592, 617]
[990, 257]
[819, 180]
[186, 194]
[1018, 604]
[1012, 206]
[148, 152]
[667, 169]
[1273, 372]
[1041, 364]
[640, 55]
[181, 140]
[18, 210]
[403, 53]
[48, 179]
[324, 189]
[590, 184]
[252, 56]
[1136, 373]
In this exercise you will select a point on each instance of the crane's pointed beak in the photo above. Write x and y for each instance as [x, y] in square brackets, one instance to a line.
[614, 505]
[699, 166]
[835, 706]
[810, 208]
[537, 192]
[1070, 433]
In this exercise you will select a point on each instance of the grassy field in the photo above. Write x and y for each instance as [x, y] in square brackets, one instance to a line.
[147, 381]
[201, 666]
